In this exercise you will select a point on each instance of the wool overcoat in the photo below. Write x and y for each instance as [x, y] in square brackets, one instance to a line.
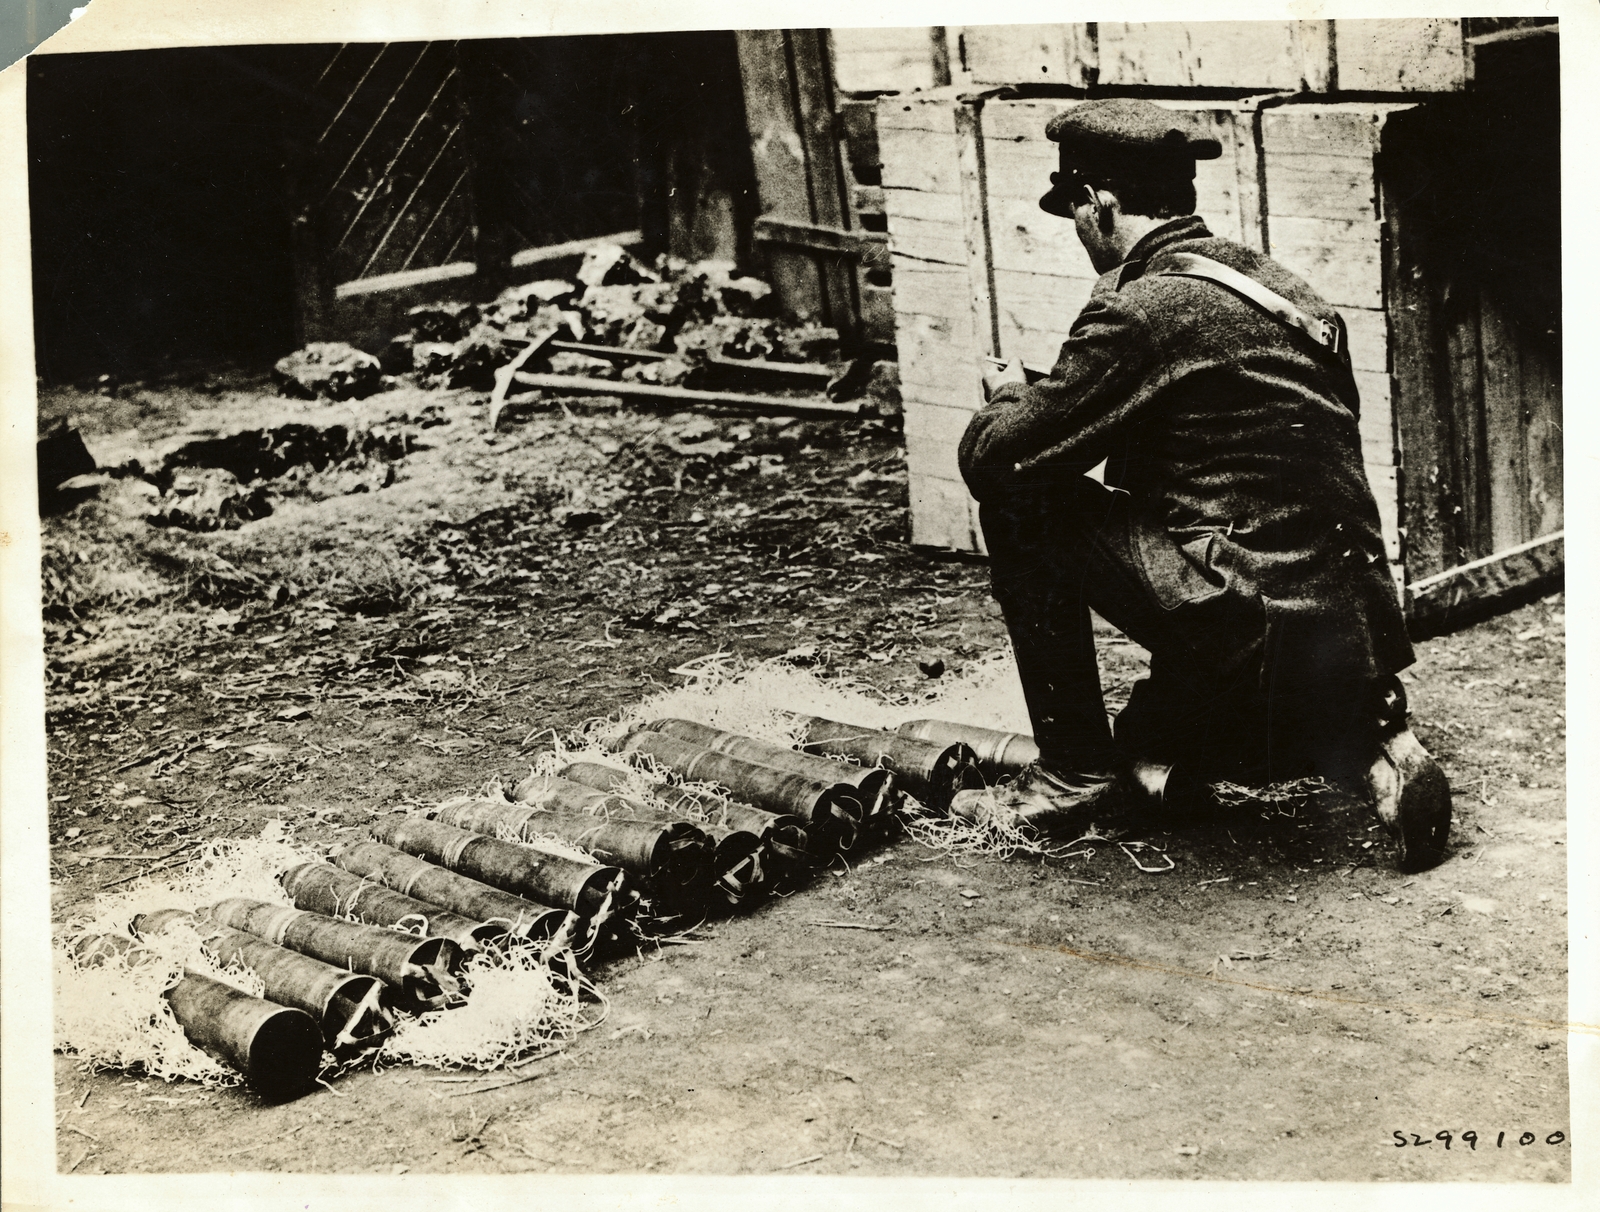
[1237, 438]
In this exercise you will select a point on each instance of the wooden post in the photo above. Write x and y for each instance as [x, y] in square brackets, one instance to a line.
[1504, 428]
[313, 282]
[488, 104]
[789, 107]
[1427, 435]
[813, 76]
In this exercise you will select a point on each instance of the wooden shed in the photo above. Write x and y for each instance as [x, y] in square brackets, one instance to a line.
[236, 201]
[1357, 153]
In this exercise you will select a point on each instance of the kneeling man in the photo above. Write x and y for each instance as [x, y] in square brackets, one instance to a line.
[1235, 535]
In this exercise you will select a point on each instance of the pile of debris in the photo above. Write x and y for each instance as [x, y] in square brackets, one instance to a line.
[565, 869]
[671, 330]
[329, 370]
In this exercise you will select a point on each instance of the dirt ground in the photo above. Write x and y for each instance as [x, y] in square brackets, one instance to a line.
[417, 613]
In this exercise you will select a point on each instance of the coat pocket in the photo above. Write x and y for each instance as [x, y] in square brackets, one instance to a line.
[1177, 566]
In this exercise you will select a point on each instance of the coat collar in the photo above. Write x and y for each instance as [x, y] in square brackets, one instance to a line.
[1189, 227]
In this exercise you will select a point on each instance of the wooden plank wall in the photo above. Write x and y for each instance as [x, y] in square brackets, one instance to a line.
[1473, 291]
[1391, 55]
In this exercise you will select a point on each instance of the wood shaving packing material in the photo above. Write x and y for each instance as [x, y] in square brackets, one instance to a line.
[760, 699]
[638, 782]
[113, 1015]
[517, 1007]
[224, 867]
[997, 834]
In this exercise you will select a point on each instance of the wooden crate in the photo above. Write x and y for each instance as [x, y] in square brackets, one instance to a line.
[920, 146]
[980, 269]
[1322, 220]
[1030, 54]
[1291, 55]
[887, 58]
[1460, 425]
[1412, 55]
[1385, 55]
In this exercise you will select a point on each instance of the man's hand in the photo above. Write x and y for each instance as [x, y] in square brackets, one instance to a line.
[996, 372]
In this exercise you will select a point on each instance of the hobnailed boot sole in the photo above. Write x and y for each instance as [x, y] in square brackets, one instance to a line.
[1412, 799]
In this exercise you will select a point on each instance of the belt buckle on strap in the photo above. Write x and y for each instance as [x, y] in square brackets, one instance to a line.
[1328, 334]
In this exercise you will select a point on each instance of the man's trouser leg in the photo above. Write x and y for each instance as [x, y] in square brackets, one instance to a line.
[1054, 554]
[1057, 553]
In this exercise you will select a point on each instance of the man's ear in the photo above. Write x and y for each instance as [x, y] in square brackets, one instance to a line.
[1105, 208]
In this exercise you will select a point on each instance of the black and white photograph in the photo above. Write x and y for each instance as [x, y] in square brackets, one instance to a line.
[823, 604]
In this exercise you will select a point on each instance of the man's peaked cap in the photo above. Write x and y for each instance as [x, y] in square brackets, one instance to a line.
[1124, 138]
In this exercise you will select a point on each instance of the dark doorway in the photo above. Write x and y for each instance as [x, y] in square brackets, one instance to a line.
[159, 224]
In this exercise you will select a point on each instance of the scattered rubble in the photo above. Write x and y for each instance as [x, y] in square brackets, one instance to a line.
[698, 313]
[445, 321]
[669, 372]
[529, 297]
[613, 265]
[204, 499]
[329, 370]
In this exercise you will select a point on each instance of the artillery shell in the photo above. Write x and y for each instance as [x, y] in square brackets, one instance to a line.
[832, 823]
[571, 796]
[512, 915]
[870, 786]
[93, 950]
[745, 864]
[931, 771]
[521, 868]
[669, 857]
[324, 888]
[277, 1048]
[422, 970]
[1000, 754]
[352, 1009]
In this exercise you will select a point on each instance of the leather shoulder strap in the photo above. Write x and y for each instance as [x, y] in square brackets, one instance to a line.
[1193, 265]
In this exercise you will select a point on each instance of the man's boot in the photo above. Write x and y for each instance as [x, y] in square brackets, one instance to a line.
[1407, 788]
[1047, 799]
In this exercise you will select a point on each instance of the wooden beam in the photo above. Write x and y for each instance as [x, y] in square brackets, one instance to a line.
[579, 385]
[572, 248]
[1428, 457]
[819, 237]
[1459, 596]
[379, 283]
